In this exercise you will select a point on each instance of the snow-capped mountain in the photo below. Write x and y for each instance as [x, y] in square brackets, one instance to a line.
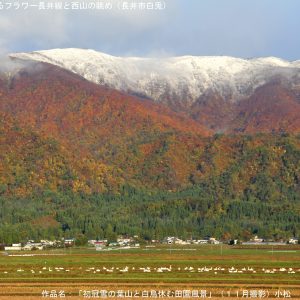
[185, 78]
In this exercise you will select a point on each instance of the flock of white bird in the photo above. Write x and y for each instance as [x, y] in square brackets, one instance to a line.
[161, 269]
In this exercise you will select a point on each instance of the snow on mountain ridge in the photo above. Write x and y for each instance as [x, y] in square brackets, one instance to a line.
[186, 78]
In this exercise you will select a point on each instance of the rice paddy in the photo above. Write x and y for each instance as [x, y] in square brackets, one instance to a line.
[220, 271]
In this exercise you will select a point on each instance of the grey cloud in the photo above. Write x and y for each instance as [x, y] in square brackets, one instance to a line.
[196, 27]
[40, 29]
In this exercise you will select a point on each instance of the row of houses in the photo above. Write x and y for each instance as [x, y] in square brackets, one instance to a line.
[41, 245]
[120, 242]
[178, 241]
[260, 241]
[132, 242]
[211, 240]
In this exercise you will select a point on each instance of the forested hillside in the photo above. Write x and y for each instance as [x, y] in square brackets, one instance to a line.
[79, 160]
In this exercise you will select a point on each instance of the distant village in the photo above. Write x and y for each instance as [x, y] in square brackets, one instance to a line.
[125, 242]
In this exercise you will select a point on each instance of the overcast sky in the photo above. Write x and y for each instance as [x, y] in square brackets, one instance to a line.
[242, 28]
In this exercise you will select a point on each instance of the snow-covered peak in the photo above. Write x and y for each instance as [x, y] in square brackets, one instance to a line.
[186, 78]
[272, 61]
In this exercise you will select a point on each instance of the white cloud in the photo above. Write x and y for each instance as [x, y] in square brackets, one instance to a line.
[38, 29]
[197, 27]
[103, 30]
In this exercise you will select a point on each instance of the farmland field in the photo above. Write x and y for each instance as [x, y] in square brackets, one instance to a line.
[195, 271]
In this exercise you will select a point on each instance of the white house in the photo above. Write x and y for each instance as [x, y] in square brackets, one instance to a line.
[13, 247]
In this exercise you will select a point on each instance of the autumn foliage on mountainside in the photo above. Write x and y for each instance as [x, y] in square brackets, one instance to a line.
[77, 151]
[273, 107]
